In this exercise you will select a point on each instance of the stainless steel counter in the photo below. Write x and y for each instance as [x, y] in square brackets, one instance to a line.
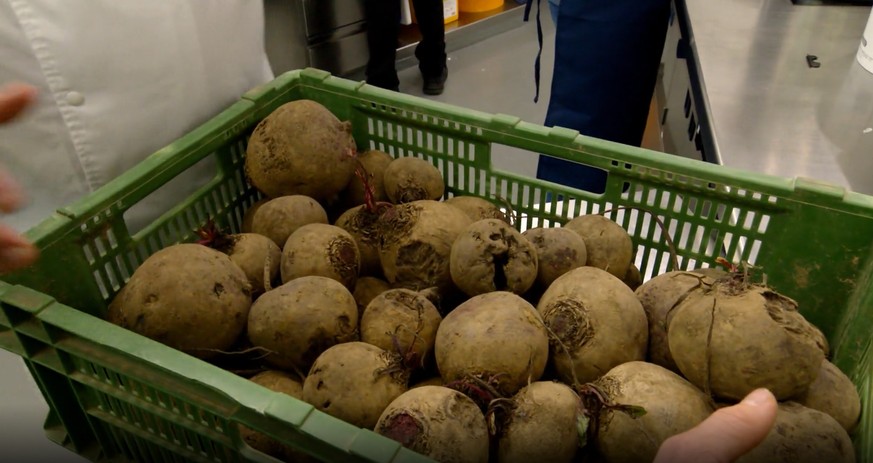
[765, 108]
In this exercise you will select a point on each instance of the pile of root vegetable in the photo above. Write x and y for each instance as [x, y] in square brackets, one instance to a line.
[356, 287]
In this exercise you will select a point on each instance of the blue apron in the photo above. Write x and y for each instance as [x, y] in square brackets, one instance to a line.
[607, 55]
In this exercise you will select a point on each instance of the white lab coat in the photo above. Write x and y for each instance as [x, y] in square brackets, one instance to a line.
[117, 80]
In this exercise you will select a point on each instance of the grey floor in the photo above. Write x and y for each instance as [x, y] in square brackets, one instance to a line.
[494, 75]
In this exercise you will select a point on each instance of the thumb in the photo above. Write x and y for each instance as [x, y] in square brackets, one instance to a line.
[13, 99]
[726, 435]
[15, 251]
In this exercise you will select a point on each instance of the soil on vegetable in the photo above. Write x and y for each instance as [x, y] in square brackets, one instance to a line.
[343, 257]
[397, 222]
[394, 367]
[417, 257]
[568, 321]
[411, 300]
[403, 428]
[364, 224]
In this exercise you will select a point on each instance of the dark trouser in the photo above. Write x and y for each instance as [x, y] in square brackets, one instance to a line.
[607, 55]
[383, 25]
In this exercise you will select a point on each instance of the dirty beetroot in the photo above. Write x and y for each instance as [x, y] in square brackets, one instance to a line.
[361, 283]
[403, 428]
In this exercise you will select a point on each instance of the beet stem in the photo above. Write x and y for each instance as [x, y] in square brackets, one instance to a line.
[566, 351]
[674, 260]
[370, 204]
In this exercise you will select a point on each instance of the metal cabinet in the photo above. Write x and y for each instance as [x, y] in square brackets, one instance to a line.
[332, 34]
[675, 95]
[326, 34]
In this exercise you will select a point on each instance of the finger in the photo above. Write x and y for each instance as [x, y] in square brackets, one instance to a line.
[11, 193]
[15, 251]
[13, 99]
[726, 435]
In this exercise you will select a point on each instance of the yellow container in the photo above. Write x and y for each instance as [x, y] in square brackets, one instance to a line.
[450, 11]
[478, 6]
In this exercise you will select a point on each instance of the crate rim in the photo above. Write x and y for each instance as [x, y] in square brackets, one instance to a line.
[799, 190]
[804, 190]
[243, 395]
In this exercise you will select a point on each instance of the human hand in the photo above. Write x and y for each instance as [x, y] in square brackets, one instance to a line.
[15, 251]
[726, 435]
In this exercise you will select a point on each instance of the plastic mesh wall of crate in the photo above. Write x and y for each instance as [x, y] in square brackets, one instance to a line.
[113, 256]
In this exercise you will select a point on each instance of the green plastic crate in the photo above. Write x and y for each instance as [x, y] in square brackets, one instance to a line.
[114, 395]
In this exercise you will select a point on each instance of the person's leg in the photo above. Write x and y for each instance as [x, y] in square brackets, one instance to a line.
[383, 25]
[607, 55]
[431, 50]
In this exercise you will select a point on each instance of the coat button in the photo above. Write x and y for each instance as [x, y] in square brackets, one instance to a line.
[75, 98]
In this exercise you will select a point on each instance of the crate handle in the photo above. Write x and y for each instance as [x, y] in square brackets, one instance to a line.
[282, 419]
